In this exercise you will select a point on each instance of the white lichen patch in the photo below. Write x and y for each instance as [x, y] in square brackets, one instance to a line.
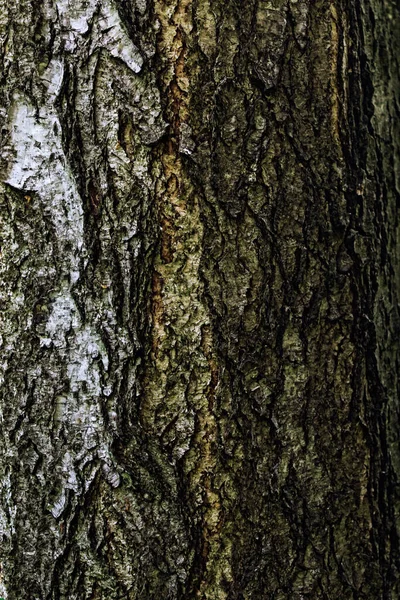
[63, 318]
[112, 35]
[59, 506]
[107, 31]
[78, 413]
[53, 78]
[40, 166]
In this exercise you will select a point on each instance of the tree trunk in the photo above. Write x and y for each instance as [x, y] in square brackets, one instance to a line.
[200, 299]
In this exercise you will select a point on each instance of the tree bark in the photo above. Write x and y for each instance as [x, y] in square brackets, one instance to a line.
[200, 299]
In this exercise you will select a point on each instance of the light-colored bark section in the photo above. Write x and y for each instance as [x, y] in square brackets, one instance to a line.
[67, 409]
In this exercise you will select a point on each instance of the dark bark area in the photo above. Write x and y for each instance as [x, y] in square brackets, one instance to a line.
[200, 300]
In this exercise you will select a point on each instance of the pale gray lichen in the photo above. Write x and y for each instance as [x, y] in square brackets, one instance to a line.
[40, 166]
[107, 31]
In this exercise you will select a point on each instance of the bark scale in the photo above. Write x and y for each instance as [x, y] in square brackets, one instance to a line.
[200, 299]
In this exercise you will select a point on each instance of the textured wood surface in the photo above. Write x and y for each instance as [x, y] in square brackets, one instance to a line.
[199, 300]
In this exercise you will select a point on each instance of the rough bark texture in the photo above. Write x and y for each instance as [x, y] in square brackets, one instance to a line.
[200, 281]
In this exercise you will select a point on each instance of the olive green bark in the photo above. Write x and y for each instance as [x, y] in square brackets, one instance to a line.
[200, 300]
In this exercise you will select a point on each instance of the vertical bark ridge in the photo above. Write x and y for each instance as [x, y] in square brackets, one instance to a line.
[182, 375]
[335, 70]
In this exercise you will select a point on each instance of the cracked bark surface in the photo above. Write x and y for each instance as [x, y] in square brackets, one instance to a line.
[199, 300]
